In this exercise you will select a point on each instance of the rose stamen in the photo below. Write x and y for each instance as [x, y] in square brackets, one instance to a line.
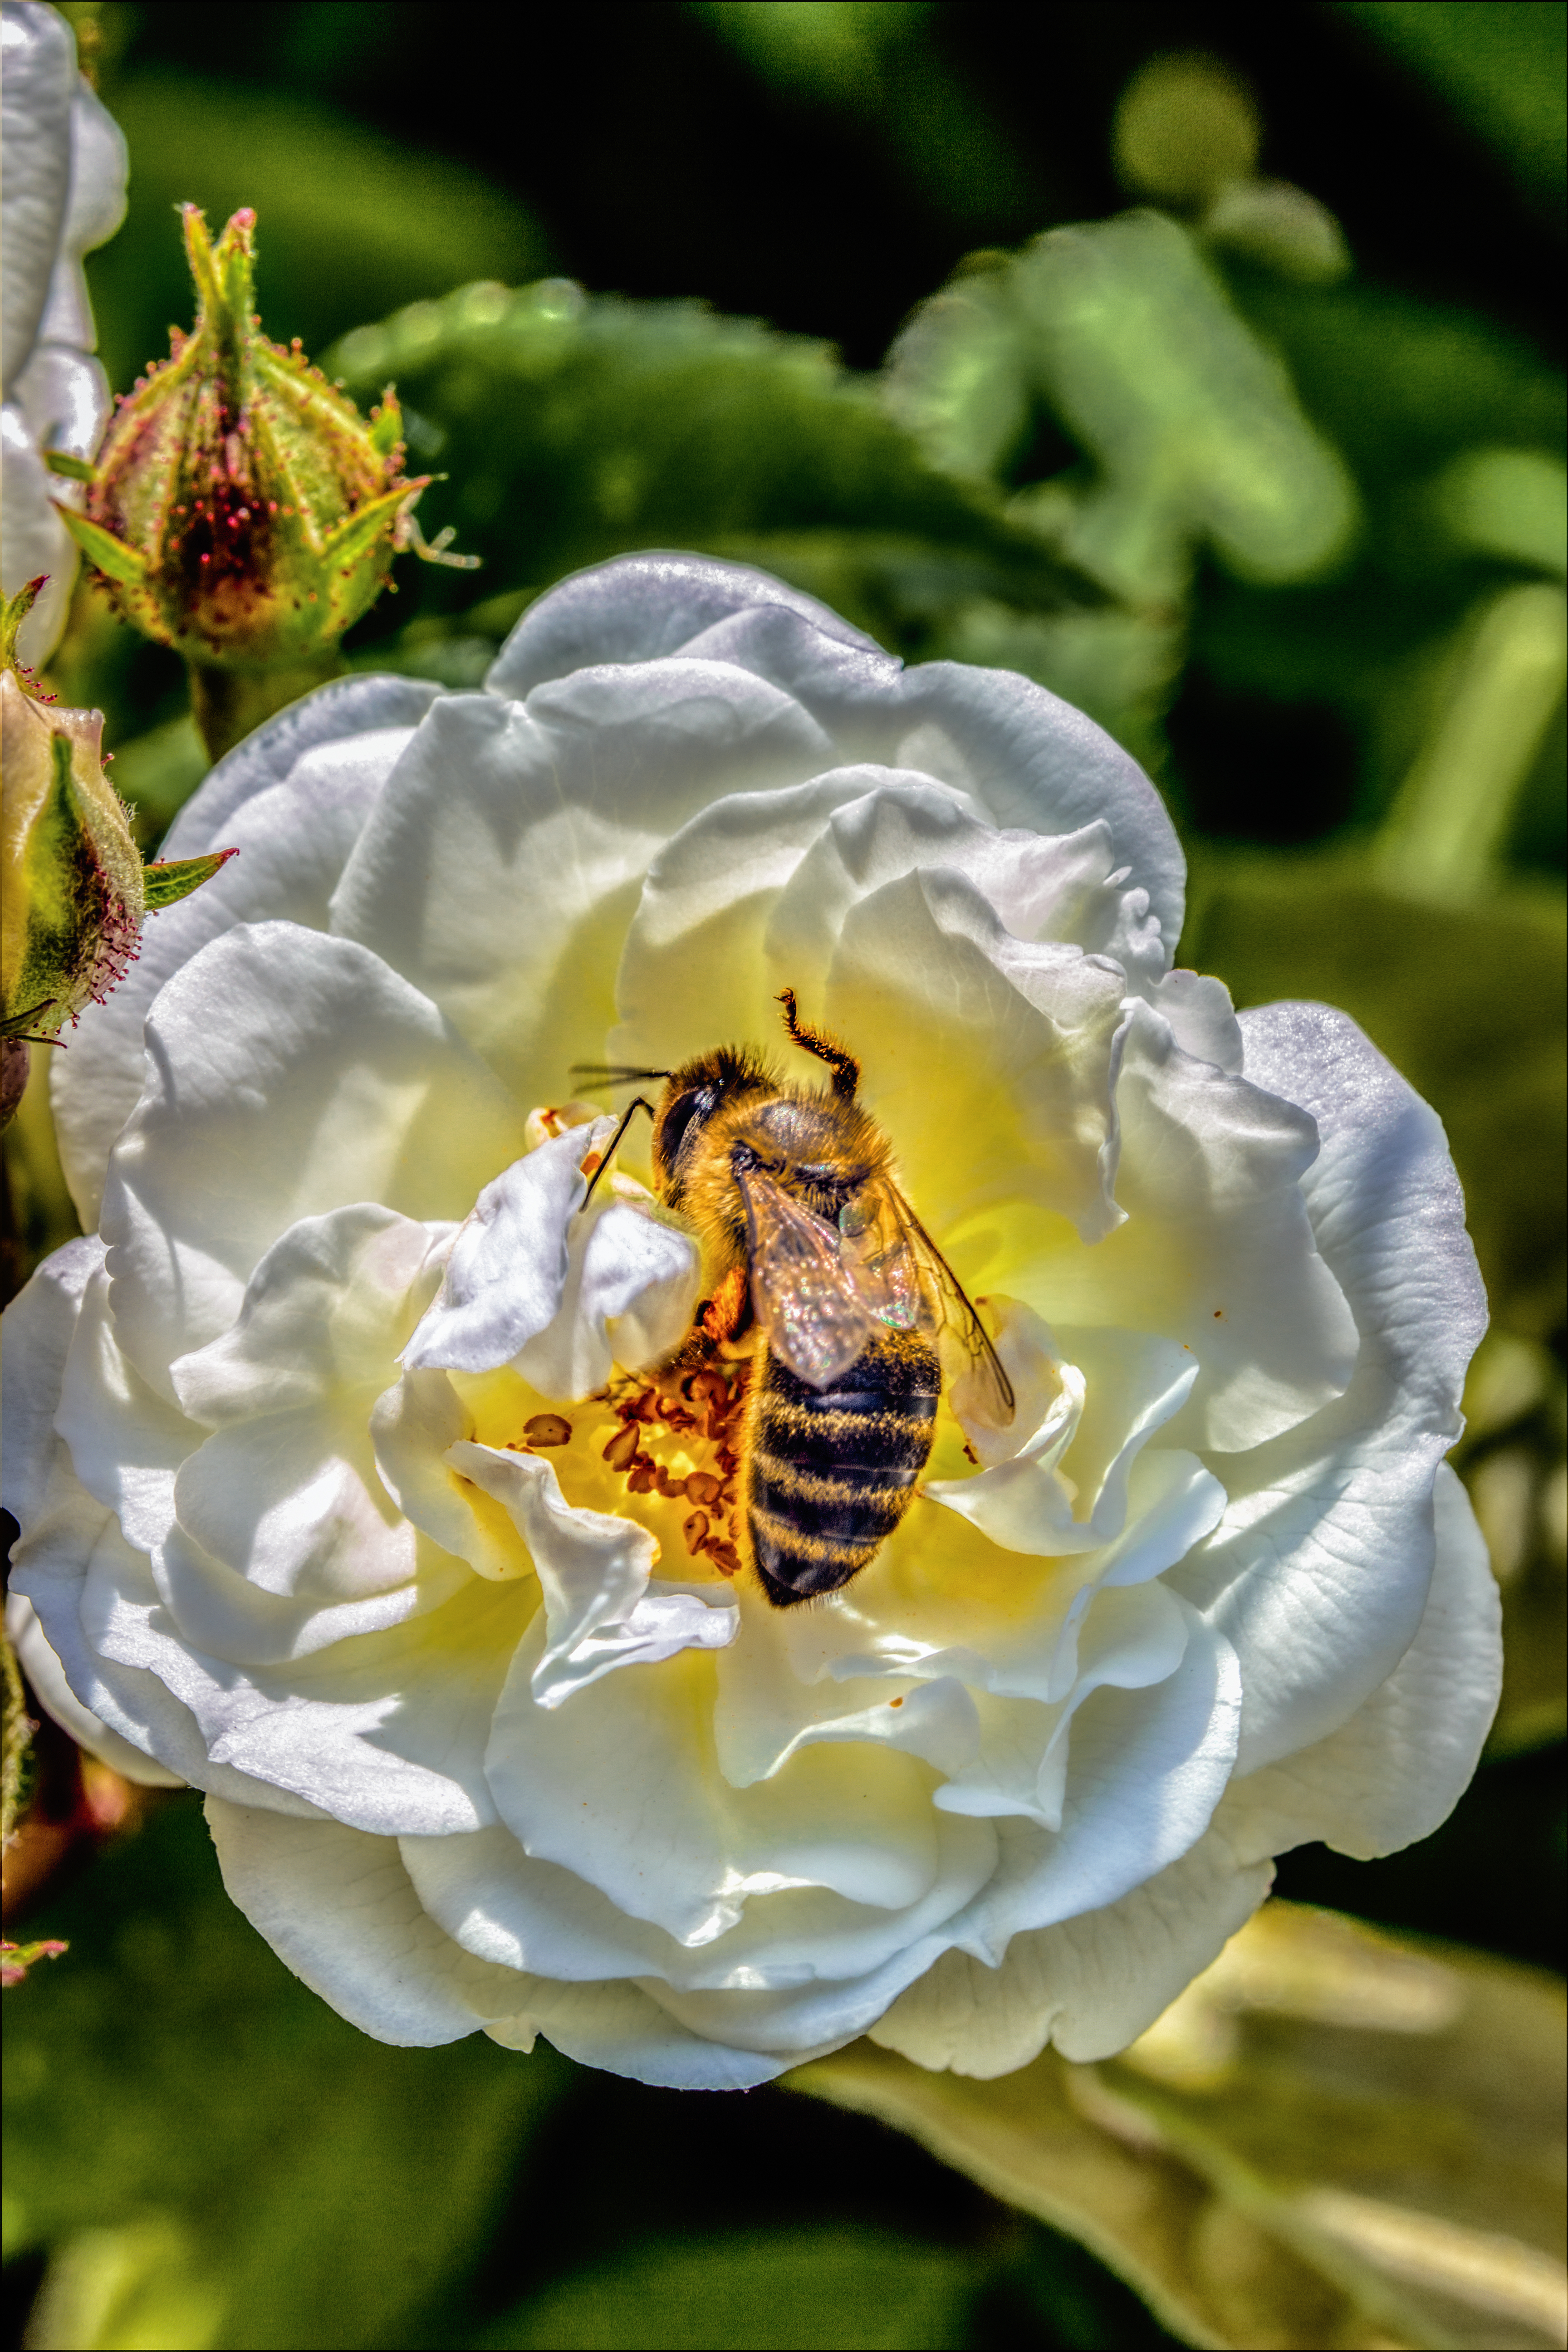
[548, 1429]
[621, 1451]
[706, 1408]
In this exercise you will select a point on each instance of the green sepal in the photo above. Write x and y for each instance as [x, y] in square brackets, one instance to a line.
[175, 878]
[75, 469]
[386, 424]
[14, 610]
[358, 533]
[15, 1960]
[16, 1023]
[110, 554]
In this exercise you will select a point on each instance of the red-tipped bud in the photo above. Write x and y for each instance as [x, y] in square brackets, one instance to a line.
[242, 511]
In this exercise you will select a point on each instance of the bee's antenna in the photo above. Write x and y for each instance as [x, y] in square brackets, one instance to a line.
[845, 1068]
[612, 1073]
[615, 1144]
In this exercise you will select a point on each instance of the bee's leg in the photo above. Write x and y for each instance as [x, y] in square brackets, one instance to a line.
[845, 1068]
[720, 1321]
[728, 1312]
[615, 1144]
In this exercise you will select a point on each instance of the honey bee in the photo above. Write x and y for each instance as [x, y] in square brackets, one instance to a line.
[819, 1262]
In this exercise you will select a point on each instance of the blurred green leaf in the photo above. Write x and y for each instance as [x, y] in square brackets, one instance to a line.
[763, 2288]
[1023, 2140]
[41, 1212]
[1122, 330]
[1401, 383]
[879, 67]
[1511, 1460]
[1510, 503]
[1467, 1000]
[158, 771]
[571, 428]
[1332, 2138]
[828, 48]
[212, 2155]
[348, 221]
[1500, 67]
[1453, 812]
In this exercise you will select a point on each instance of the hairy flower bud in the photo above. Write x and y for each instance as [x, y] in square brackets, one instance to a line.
[242, 511]
[75, 890]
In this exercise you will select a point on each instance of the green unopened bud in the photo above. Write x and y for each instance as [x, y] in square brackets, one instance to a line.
[73, 889]
[242, 511]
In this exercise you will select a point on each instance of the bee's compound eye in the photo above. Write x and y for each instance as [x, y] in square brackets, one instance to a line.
[677, 1118]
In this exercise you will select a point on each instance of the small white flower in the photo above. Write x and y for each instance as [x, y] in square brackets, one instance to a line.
[62, 192]
[353, 1491]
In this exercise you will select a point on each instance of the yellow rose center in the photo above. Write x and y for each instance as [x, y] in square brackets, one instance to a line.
[661, 1449]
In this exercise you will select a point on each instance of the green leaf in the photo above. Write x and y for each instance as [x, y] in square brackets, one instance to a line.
[348, 221]
[1500, 67]
[14, 610]
[73, 469]
[1332, 2138]
[574, 428]
[1401, 384]
[175, 878]
[158, 771]
[1467, 1000]
[1024, 2141]
[762, 2288]
[112, 557]
[1123, 332]
[210, 2154]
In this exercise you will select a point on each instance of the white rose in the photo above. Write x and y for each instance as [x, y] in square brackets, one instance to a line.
[483, 1744]
[62, 168]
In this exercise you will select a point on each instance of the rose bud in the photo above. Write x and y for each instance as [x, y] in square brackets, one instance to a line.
[75, 890]
[242, 511]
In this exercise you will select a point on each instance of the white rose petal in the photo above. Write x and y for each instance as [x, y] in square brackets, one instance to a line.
[63, 162]
[368, 1482]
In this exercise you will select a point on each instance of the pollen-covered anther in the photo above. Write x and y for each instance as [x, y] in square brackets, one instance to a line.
[548, 1429]
[654, 1422]
[622, 1450]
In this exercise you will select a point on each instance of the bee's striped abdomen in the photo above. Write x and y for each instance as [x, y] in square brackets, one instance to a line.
[831, 1471]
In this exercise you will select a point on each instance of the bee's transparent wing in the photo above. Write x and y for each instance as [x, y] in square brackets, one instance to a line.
[882, 1260]
[810, 1313]
[955, 1319]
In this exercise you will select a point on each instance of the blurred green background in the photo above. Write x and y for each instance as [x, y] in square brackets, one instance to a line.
[1262, 466]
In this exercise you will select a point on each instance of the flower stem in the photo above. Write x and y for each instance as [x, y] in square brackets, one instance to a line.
[229, 703]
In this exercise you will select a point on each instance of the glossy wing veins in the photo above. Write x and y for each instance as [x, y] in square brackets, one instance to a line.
[957, 1317]
[811, 1313]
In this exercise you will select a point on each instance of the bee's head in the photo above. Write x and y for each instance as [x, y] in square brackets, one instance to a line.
[728, 1075]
